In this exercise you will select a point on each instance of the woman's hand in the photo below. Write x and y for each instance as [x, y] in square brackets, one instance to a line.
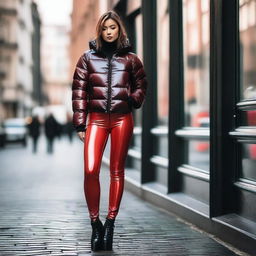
[81, 136]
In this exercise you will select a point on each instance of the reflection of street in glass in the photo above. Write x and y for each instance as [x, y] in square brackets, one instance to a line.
[196, 60]
[247, 31]
[198, 154]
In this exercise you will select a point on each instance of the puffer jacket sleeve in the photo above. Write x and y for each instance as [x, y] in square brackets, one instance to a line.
[139, 83]
[79, 94]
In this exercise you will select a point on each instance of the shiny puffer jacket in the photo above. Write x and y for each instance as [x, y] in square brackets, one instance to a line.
[101, 84]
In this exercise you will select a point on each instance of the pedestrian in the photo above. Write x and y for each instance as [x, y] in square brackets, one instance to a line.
[51, 127]
[108, 82]
[34, 131]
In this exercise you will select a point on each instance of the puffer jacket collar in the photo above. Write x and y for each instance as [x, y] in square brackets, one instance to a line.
[125, 49]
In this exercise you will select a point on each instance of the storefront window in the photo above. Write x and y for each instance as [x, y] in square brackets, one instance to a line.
[247, 31]
[198, 154]
[248, 118]
[196, 52]
[139, 52]
[162, 61]
[249, 162]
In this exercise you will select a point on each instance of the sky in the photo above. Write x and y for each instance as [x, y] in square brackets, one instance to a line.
[55, 12]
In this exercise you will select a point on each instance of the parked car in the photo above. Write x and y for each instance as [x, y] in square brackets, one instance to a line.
[15, 130]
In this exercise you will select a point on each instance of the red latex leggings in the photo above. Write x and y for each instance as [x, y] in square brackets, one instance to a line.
[99, 126]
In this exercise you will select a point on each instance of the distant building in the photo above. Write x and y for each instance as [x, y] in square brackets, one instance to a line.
[55, 63]
[8, 58]
[38, 95]
[84, 16]
[16, 62]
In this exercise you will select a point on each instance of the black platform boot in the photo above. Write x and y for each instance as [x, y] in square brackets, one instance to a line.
[97, 235]
[108, 234]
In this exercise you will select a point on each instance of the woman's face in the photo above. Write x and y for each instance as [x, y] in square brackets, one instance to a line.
[110, 30]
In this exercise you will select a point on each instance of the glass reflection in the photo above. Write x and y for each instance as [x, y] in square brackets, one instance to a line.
[162, 61]
[137, 141]
[248, 118]
[198, 153]
[247, 29]
[137, 114]
[248, 161]
[196, 51]
[161, 145]
[139, 51]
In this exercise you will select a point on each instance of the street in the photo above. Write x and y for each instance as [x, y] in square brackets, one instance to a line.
[43, 211]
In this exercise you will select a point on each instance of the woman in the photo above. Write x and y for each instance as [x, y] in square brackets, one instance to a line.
[109, 81]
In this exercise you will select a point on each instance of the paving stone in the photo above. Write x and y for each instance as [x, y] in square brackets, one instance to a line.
[43, 211]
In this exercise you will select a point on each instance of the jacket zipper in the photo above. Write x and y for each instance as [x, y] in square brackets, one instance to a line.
[109, 84]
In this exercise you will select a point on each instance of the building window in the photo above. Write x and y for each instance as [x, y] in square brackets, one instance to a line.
[196, 52]
[139, 52]
[247, 36]
[5, 62]
[248, 162]
[247, 29]
[196, 72]
[198, 154]
[162, 61]
[4, 30]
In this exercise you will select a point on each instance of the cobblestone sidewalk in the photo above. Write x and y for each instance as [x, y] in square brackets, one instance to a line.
[43, 212]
